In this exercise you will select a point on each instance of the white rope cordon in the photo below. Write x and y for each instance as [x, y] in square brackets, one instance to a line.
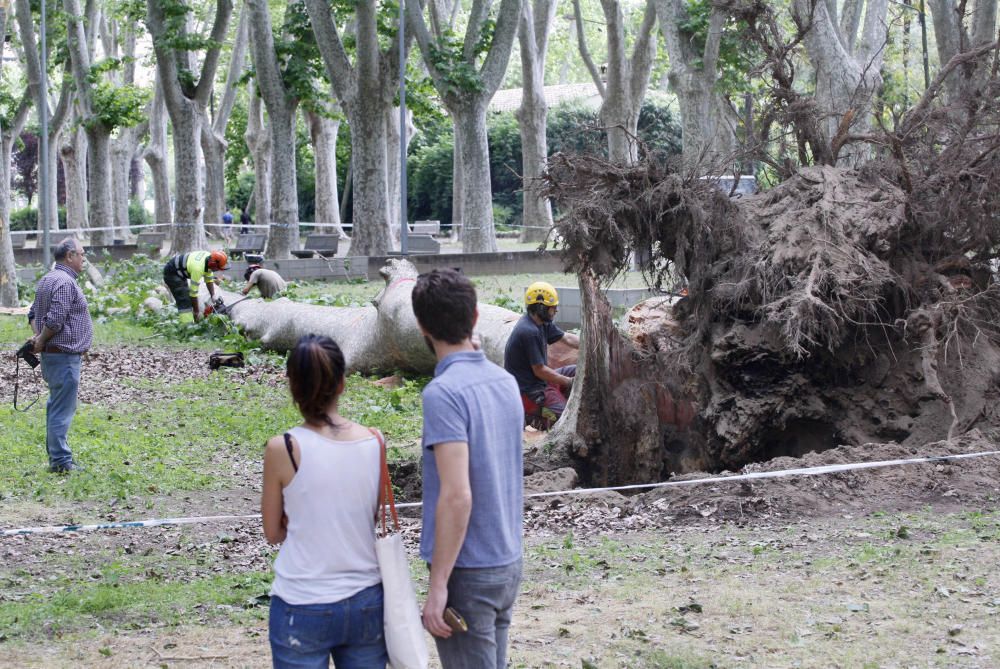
[783, 473]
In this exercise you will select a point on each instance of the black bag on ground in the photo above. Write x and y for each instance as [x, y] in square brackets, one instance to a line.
[220, 359]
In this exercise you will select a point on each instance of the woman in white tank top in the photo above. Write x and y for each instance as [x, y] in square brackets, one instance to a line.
[320, 496]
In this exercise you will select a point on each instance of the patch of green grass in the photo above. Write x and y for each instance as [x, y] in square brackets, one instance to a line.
[187, 443]
[114, 603]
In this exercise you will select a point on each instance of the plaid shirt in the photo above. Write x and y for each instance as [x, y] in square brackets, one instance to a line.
[61, 307]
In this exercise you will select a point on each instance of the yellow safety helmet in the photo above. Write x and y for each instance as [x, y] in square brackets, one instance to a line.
[541, 292]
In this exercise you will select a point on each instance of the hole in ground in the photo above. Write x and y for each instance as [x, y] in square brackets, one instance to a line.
[798, 437]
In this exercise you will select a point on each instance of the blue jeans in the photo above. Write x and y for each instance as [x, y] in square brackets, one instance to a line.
[61, 372]
[485, 598]
[350, 631]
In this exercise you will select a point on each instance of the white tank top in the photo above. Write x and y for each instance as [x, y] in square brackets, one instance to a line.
[329, 551]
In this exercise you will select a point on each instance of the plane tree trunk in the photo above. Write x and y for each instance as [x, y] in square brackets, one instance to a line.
[281, 104]
[186, 90]
[467, 105]
[365, 89]
[536, 22]
[627, 77]
[323, 131]
[213, 136]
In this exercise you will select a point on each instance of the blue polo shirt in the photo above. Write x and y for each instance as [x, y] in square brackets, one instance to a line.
[475, 401]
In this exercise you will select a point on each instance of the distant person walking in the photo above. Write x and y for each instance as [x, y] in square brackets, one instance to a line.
[472, 480]
[245, 222]
[321, 493]
[63, 333]
[227, 218]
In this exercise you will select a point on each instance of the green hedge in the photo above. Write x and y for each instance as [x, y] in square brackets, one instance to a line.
[27, 218]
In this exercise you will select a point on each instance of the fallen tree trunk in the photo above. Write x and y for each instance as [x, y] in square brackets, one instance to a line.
[381, 337]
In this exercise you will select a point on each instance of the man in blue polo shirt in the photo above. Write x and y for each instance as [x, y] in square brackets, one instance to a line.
[472, 480]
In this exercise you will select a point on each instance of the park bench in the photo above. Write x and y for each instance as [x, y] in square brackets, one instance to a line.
[150, 242]
[426, 227]
[422, 244]
[324, 245]
[17, 239]
[251, 242]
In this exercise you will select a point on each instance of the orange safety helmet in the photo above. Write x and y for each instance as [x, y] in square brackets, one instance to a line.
[217, 260]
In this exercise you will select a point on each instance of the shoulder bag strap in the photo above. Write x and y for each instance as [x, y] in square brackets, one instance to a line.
[288, 445]
[386, 499]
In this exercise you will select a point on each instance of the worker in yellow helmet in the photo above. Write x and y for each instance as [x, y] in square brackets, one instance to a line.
[183, 274]
[543, 389]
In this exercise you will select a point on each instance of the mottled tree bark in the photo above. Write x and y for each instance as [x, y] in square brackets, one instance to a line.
[468, 110]
[847, 69]
[323, 132]
[73, 153]
[707, 131]
[186, 97]
[536, 22]
[9, 132]
[953, 36]
[283, 236]
[213, 136]
[259, 142]
[627, 77]
[155, 155]
[365, 90]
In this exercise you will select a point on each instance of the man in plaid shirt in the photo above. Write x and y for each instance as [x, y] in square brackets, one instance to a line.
[63, 332]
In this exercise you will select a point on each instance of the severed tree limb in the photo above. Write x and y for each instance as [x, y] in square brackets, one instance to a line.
[382, 336]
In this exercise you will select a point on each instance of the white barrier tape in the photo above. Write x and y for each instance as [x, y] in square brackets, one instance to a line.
[782, 473]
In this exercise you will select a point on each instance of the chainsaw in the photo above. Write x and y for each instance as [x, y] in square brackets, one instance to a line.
[223, 309]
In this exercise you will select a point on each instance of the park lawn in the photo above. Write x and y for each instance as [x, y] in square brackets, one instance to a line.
[210, 435]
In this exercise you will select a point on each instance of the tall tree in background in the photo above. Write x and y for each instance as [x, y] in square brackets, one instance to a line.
[706, 128]
[118, 36]
[213, 135]
[536, 22]
[847, 56]
[627, 77]
[12, 119]
[258, 140]
[281, 101]
[955, 33]
[79, 33]
[365, 90]
[324, 126]
[186, 95]
[57, 117]
[73, 157]
[155, 155]
[466, 75]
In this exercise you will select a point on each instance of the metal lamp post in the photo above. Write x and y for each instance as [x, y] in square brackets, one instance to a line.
[43, 146]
